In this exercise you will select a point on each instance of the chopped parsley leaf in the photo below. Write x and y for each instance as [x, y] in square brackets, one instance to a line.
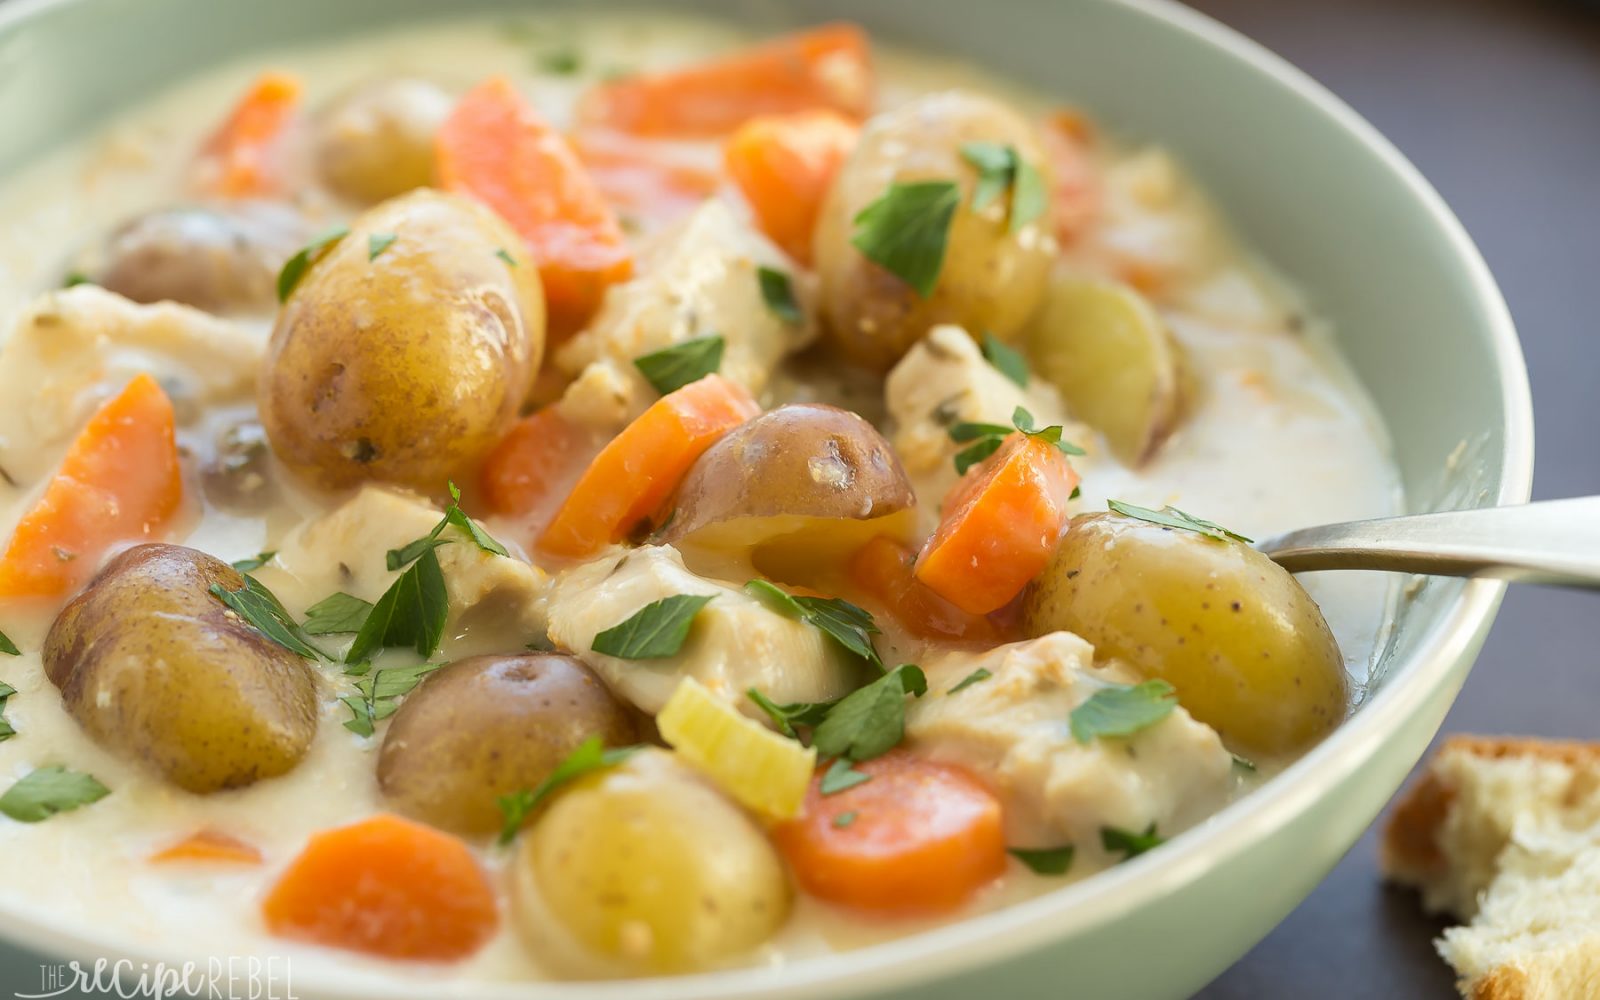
[257, 606]
[295, 267]
[907, 229]
[336, 614]
[586, 758]
[656, 631]
[870, 721]
[980, 674]
[1007, 360]
[777, 291]
[412, 612]
[50, 790]
[672, 368]
[1130, 844]
[377, 243]
[840, 776]
[1172, 517]
[1122, 710]
[1044, 861]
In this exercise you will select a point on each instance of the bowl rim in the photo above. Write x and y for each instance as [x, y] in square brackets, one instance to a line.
[994, 937]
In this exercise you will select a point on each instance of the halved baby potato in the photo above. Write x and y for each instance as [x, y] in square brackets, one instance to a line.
[1114, 361]
[804, 484]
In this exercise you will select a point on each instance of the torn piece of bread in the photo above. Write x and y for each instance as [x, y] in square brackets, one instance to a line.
[1504, 833]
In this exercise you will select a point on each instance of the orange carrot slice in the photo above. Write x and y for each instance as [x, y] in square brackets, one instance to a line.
[498, 149]
[644, 179]
[209, 845]
[385, 886]
[1075, 187]
[784, 165]
[825, 67]
[917, 838]
[882, 568]
[634, 474]
[1001, 523]
[120, 481]
[542, 452]
[241, 159]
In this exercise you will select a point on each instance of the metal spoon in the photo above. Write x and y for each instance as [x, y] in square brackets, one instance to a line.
[1554, 542]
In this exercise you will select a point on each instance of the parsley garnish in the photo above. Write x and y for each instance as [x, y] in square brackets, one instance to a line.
[588, 757]
[905, 231]
[840, 776]
[396, 558]
[262, 611]
[75, 278]
[786, 717]
[844, 819]
[655, 631]
[672, 368]
[1001, 168]
[7, 646]
[50, 790]
[256, 561]
[1122, 710]
[850, 626]
[336, 614]
[1045, 860]
[1172, 517]
[561, 62]
[7, 730]
[1006, 359]
[871, 720]
[1130, 844]
[980, 674]
[295, 267]
[377, 243]
[505, 255]
[986, 439]
[380, 693]
[777, 291]
[412, 612]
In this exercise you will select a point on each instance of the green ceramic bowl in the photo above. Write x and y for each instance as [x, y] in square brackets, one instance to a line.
[1309, 183]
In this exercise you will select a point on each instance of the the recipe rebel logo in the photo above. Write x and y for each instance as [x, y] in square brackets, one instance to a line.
[233, 977]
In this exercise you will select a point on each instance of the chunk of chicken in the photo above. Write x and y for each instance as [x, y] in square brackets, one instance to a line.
[343, 550]
[1011, 730]
[700, 279]
[944, 380]
[736, 643]
[70, 349]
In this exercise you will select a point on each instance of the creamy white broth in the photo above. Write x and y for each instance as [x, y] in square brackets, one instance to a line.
[1281, 437]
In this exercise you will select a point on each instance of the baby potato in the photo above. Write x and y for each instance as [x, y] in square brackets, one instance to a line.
[376, 141]
[644, 869]
[1114, 361]
[152, 665]
[404, 360]
[489, 726]
[221, 258]
[992, 277]
[818, 476]
[1242, 642]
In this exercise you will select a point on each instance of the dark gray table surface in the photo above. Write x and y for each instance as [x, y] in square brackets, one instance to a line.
[1498, 103]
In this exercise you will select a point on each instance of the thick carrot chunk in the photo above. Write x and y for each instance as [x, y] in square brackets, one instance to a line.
[784, 165]
[210, 845]
[242, 158]
[119, 482]
[498, 149]
[1001, 523]
[645, 180]
[882, 568]
[1075, 187]
[916, 838]
[385, 886]
[634, 474]
[542, 452]
[825, 67]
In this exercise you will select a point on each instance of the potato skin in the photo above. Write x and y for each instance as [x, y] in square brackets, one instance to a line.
[645, 868]
[220, 258]
[406, 368]
[154, 666]
[376, 141]
[1243, 643]
[992, 278]
[489, 726]
[806, 459]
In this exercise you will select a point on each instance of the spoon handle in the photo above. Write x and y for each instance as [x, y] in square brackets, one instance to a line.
[1553, 542]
